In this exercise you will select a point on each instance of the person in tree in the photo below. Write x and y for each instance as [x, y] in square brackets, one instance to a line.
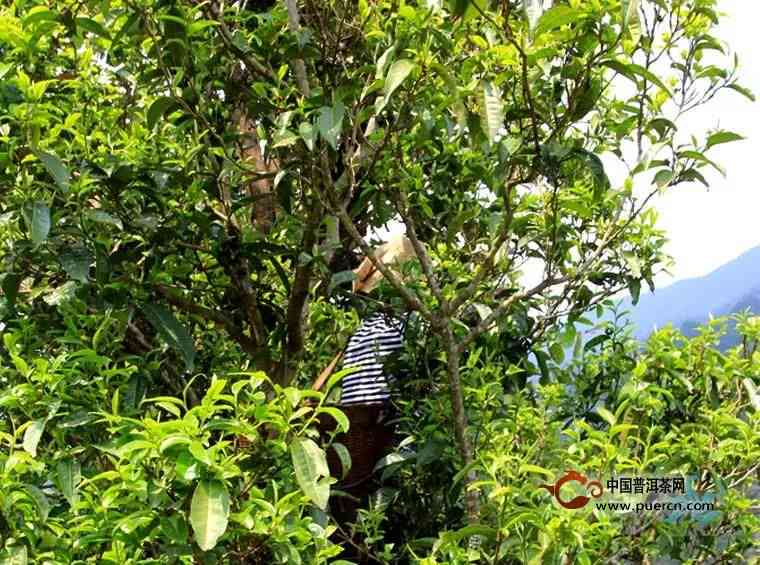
[372, 356]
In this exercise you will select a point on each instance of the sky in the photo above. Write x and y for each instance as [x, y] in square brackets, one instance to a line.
[709, 227]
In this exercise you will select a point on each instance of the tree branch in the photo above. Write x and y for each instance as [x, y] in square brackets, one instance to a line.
[294, 23]
[218, 318]
[299, 295]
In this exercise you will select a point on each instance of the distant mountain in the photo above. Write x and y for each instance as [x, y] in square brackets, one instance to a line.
[731, 288]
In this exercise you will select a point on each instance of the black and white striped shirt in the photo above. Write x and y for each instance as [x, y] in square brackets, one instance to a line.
[380, 335]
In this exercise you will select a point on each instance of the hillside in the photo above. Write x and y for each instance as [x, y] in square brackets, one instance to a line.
[732, 287]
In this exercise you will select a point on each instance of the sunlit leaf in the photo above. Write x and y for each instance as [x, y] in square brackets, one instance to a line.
[310, 464]
[722, 137]
[15, 555]
[556, 17]
[608, 416]
[32, 436]
[68, 474]
[397, 73]
[631, 22]
[491, 110]
[159, 109]
[209, 513]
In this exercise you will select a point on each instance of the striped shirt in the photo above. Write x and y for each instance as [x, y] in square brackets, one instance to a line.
[380, 335]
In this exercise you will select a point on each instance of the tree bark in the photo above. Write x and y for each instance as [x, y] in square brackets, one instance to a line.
[453, 357]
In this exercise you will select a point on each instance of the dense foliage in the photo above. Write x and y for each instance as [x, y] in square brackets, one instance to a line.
[185, 189]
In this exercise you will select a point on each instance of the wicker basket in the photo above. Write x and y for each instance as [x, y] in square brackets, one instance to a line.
[368, 439]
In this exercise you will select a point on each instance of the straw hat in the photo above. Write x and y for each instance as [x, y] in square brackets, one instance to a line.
[393, 252]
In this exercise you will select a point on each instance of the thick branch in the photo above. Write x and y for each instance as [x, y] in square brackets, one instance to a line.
[299, 294]
[251, 62]
[453, 355]
[486, 267]
[421, 252]
[503, 308]
[294, 23]
[220, 319]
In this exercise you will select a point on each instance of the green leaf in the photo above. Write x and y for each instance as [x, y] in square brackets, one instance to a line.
[594, 341]
[39, 14]
[338, 416]
[528, 468]
[56, 168]
[187, 467]
[458, 7]
[330, 123]
[631, 70]
[382, 62]
[746, 92]
[209, 512]
[105, 218]
[61, 294]
[631, 23]
[475, 530]
[173, 439]
[634, 287]
[690, 175]
[40, 222]
[11, 284]
[557, 353]
[68, 474]
[200, 453]
[171, 331]
[633, 263]
[198, 26]
[722, 137]
[596, 167]
[541, 357]
[32, 436]
[310, 463]
[608, 416]
[344, 456]
[457, 106]
[397, 73]
[284, 138]
[340, 278]
[557, 17]
[491, 110]
[40, 501]
[159, 108]
[308, 134]
[76, 262]
[663, 177]
[648, 75]
[92, 26]
[128, 25]
[14, 555]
